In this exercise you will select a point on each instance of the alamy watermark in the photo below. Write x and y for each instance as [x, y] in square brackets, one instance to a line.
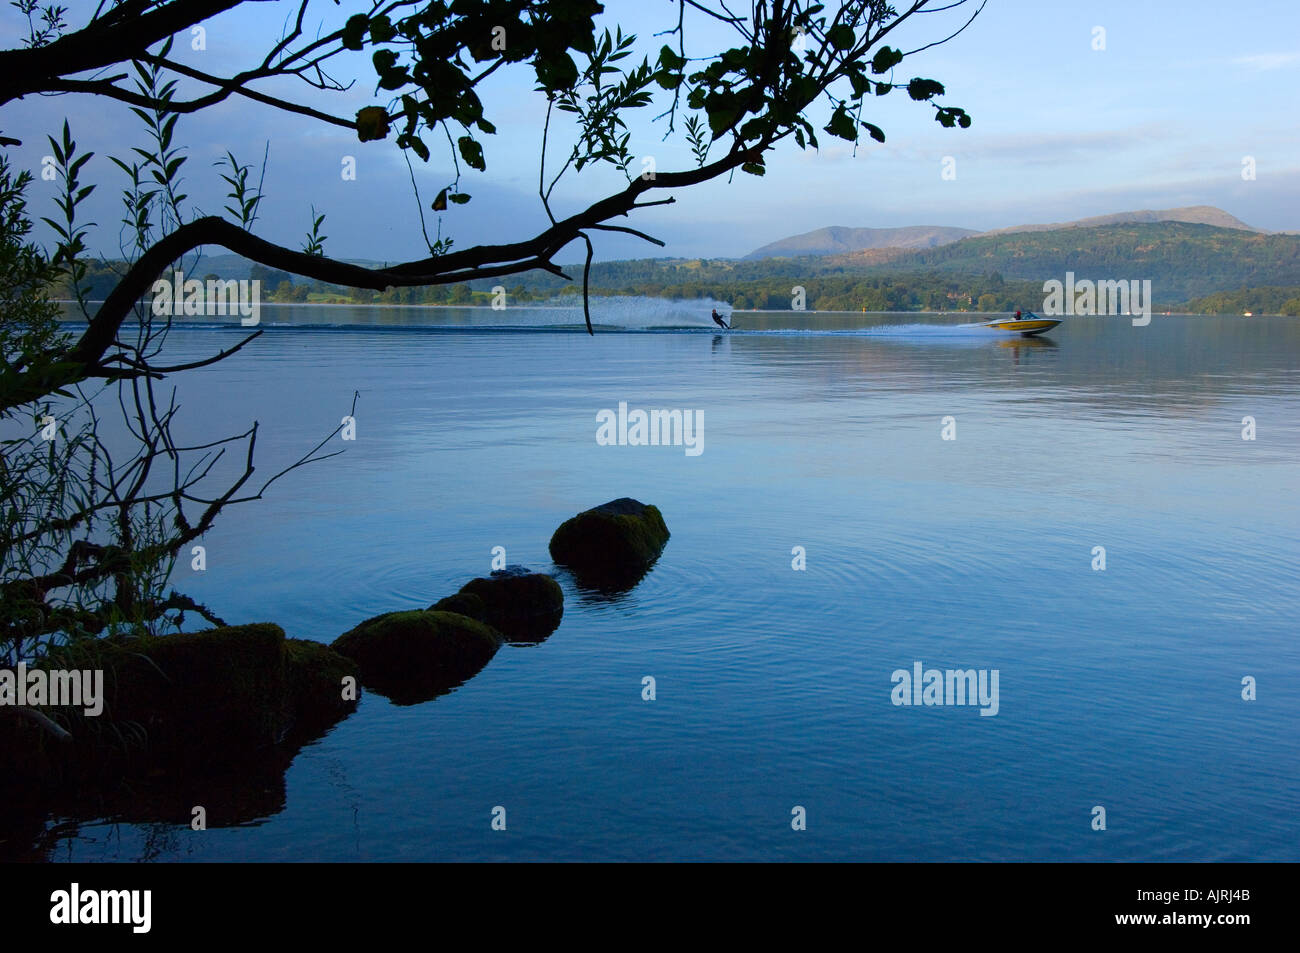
[219, 297]
[654, 428]
[932, 686]
[98, 907]
[1099, 297]
[57, 688]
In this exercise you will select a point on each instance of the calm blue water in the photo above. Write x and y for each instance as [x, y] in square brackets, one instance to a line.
[1119, 688]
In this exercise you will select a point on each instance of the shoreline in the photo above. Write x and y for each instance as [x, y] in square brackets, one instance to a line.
[207, 319]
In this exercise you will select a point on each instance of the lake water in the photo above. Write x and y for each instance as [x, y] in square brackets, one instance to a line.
[1119, 688]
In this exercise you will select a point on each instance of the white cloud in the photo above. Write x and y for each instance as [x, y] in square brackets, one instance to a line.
[1259, 62]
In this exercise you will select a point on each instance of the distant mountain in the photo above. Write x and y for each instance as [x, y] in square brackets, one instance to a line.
[1192, 215]
[838, 240]
[1183, 260]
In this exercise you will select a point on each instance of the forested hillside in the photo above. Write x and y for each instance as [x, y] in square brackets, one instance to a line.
[1184, 262]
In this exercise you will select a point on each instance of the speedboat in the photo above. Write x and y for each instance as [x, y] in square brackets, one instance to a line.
[1027, 326]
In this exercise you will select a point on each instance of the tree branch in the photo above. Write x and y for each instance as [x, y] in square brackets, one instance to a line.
[481, 261]
[101, 43]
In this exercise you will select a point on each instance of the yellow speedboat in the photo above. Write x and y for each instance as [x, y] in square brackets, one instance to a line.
[1027, 326]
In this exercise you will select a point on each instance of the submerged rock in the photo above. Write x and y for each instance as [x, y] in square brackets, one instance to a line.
[523, 605]
[415, 656]
[611, 545]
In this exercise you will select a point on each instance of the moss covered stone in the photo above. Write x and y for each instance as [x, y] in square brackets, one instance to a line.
[611, 545]
[462, 603]
[415, 656]
[198, 697]
[316, 676]
[225, 686]
[211, 717]
[523, 605]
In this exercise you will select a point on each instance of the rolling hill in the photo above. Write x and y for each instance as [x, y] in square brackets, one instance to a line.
[1191, 215]
[838, 240]
[1182, 260]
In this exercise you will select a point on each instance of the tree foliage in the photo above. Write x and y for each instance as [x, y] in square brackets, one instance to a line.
[92, 535]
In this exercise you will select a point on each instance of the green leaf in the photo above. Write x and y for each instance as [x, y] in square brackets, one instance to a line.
[556, 72]
[841, 36]
[874, 131]
[721, 120]
[670, 59]
[354, 31]
[951, 115]
[841, 125]
[753, 168]
[735, 58]
[471, 152]
[382, 29]
[886, 58]
[372, 123]
[460, 198]
[923, 89]
[669, 80]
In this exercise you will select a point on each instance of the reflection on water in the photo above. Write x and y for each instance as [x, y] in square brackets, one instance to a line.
[1118, 687]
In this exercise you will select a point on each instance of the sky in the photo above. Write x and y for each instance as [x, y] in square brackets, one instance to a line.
[1163, 116]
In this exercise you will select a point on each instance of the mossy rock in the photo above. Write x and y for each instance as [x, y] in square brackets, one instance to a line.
[224, 710]
[462, 603]
[316, 673]
[224, 687]
[31, 762]
[415, 656]
[524, 606]
[194, 697]
[611, 545]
